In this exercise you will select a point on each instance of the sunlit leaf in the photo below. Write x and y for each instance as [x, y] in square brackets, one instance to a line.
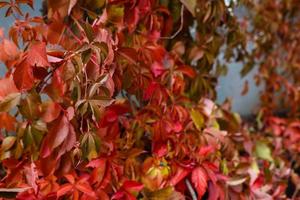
[10, 102]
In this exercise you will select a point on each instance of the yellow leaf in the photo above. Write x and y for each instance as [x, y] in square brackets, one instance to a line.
[8, 142]
[197, 118]
[190, 5]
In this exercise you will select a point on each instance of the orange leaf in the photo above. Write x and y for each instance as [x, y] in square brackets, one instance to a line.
[64, 189]
[7, 86]
[180, 174]
[57, 87]
[57, 134]
[23, 76]
[7, 122]
[85, 188]
[70, 178]
[37, 55]
[9, 51]
[51, 111]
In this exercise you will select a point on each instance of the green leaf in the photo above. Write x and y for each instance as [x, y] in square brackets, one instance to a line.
[86, 55]
[90, 144]
[263, 151]
[224, 167]
[96, 4]
[115, 14]
[197, 119]
[33, 137]
[92, 152]
[29, 107]
[9, 102]
[89, 32]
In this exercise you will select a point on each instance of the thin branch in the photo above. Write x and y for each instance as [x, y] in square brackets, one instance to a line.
[40, 87]
[191, 189]
[180, 28]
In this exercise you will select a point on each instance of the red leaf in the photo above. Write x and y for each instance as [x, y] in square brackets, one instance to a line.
[214, 192]
[109, 117]
[205, 150]
[37, 55]
[70, 112]
[85, 188]
[199, 179]
[7, 122]
[51, 111]
[157, 52]
[132, 186]
[56, 89]
[118, 195]
[99, 170]
[64, 189]
[23, 76]
[48, 164]
[157, 69]
[102, 194]
[70, 178]
[60, 131]
[55, 29]
[150, 90]
[69, 141]
[39, 72]
[180, 174]
[132, 18]
[129, 54]
[57, 134]
[7, 86]
[187, 70]
[9, 51]
[110, 85]
[97, 163]
[160, 149]
[32, 176]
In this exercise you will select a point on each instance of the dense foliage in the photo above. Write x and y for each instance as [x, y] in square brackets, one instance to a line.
[114, 99]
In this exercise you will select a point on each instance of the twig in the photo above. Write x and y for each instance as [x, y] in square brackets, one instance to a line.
[42, 84]
[180, 28]
[191, 190]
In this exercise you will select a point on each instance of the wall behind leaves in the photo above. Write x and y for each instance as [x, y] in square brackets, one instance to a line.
[232, 85]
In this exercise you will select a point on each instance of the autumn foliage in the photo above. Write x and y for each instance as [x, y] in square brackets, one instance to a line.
[114, 99]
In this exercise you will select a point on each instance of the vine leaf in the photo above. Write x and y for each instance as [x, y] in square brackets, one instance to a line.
[23, 76]
[190, 5]
[199, 179]
[37, 55]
